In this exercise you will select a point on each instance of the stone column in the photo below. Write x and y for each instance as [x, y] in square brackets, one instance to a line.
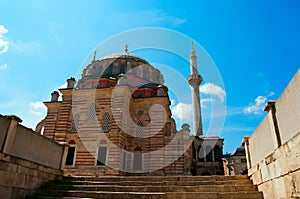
[248, 157]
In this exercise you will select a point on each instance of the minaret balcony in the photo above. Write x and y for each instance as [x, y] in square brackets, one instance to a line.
[195, 80]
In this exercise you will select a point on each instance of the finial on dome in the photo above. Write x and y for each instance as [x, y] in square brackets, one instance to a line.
[126, 48]
[95, 55]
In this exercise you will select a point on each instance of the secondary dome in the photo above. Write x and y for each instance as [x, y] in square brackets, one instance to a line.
[115, 68]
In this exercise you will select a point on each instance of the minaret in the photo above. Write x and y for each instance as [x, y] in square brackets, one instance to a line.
[195, 80]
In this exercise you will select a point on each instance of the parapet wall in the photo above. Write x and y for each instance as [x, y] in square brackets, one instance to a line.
[27, 159]
[273, 156]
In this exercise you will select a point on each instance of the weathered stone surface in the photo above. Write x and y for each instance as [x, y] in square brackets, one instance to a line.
[274, 162]
[164, 187]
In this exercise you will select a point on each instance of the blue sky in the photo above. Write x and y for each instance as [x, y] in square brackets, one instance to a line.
[254, 44]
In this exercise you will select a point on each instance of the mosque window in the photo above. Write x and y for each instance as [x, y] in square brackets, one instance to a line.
[140, 113]
[218, 153]
[124, 161]
[137, 159]
[168, 129]
[105, 122]
[102, 154]
[209, 156]
[71, 154]
[200, 154]
[123, 69]
[140, 95]
[75, 123]
[139, 129]
[129, 65]
[92, 112]
[110, 69]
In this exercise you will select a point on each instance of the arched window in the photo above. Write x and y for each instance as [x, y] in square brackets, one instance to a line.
[139, 129]
[218, 153]
[105, 122]
[75, 123]
[200, 154]
[209, 157]
[91, 115]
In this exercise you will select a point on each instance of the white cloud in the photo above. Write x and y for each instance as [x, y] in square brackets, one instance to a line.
[257, 106]
[212, 89]
[271, 94]
[3, 43]
[3, 67]
[37, 108]
[207, 100]
[183, 111]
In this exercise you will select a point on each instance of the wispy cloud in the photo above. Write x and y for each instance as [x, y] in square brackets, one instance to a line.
[3, 42]
[212, 89]
[37, 108]
[30, 47]
[3, 67]
[257, 106]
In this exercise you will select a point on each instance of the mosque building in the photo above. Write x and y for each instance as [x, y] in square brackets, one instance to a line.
[116, 120]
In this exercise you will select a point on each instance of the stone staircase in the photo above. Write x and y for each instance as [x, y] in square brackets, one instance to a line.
[150, 187]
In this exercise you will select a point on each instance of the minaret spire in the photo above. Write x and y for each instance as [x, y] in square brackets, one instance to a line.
[195, 80]
[126, 48]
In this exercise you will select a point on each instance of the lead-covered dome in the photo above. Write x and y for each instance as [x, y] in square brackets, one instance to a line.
[119, 68]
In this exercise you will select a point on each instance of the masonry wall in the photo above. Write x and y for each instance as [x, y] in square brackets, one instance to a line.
[274, 158]
[27, 159]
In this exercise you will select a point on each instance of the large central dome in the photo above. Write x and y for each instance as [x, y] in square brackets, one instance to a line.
[124, 67]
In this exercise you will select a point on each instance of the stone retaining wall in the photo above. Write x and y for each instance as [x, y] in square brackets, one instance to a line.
[273, 150]
[27, 159]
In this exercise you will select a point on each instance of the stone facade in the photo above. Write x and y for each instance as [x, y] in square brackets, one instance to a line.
[235, 163]
[273, 149]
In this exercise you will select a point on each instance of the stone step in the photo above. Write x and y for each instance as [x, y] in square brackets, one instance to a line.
[156, 195]
[157, 183]
[150, 187]
[116, 188]
[158, 178]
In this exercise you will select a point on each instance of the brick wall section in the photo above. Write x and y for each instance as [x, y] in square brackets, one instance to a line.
[123, 110]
